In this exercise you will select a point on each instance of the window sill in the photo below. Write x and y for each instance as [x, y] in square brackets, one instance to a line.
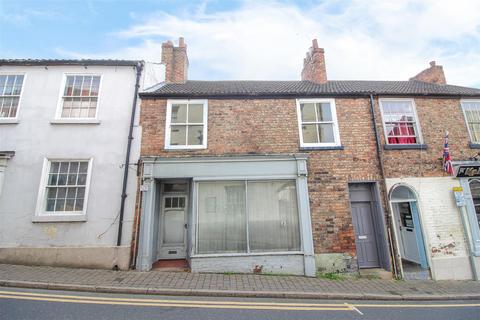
[322, 148]
[185, 148]
[405, 147]
[245, 254]
[60, 218]
[9, 121]
[75, 121]
[474, 145]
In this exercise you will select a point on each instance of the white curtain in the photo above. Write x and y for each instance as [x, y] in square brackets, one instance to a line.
[273, 216]
[269, 206]
[221, 217]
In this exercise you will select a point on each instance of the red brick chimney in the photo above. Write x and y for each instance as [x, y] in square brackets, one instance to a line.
[176, 61]
[314, 64]
[434, 74]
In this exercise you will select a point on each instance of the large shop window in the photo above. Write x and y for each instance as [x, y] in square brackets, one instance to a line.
[186, 124]
[247, 216]
[400, 121]
[471, 110]
[318, 123]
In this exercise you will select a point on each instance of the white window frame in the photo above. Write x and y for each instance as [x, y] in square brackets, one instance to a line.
[465, 118]
[417, 122]
[20, 98]
[41, 215]
[336, 131]
[169, 119]
[58, 113]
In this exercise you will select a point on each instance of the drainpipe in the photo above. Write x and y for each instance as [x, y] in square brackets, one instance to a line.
[138, 68]
[385, 196]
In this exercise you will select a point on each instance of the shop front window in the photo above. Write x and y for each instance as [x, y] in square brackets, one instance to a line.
[247, 216]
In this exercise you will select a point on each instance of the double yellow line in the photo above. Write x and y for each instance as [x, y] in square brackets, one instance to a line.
[250, 305]
[176, 303]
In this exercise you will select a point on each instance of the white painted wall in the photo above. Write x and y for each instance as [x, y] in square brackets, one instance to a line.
[441, 221]
[33, 138]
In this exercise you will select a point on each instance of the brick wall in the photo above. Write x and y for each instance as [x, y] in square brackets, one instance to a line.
[257, 126]
[435, 116]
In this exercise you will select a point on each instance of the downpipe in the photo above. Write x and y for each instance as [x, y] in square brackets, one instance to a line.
[139, 68]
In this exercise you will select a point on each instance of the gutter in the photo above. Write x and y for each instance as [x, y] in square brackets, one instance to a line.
[139, 68]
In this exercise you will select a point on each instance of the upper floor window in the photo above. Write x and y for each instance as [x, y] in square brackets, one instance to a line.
[186, 126]
[400, 121]
[80, 96]
[318, 125]
[10, 90]
[64, 187]
[471, 110]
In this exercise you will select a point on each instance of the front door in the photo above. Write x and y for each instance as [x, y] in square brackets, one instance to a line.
[367, 251]
[407, 232]
[172, 238]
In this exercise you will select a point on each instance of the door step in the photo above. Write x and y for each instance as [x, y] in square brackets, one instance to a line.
[376, 273]
[175, 265]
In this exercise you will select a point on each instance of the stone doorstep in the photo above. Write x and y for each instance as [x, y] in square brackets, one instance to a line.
[237, 293]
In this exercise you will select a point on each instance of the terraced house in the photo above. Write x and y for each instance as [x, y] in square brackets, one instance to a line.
[68, 139]
[312, 175]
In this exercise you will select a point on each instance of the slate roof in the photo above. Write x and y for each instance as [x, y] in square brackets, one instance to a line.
[67, 62]
[225, 89]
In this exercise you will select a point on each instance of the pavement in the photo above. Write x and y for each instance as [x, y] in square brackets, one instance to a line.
[232, 285]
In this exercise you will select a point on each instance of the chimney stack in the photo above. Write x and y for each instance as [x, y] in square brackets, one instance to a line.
[314, 64]
[176, 61]
[434, 74]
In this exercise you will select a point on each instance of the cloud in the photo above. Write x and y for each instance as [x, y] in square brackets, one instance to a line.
[373, 39]
[24, 18]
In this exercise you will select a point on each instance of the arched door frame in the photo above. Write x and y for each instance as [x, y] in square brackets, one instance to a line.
[418, 219]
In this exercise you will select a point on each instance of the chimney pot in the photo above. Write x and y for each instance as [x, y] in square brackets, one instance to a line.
[181, 42]
[432, 63]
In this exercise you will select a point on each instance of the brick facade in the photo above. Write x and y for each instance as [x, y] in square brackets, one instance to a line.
[269, 126]
[435, 116]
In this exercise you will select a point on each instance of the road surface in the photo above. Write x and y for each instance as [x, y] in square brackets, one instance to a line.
[44, 304]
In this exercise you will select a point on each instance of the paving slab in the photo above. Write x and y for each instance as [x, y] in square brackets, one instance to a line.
[232, 285]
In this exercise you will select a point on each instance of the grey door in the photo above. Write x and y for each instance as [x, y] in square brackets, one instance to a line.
[367, 251]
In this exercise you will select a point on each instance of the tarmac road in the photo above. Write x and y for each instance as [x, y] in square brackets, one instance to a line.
[45, 304]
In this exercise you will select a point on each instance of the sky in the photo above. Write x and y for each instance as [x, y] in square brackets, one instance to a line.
[261, 40]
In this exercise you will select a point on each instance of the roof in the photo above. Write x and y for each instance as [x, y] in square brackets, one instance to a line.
[67, 62]
[226, 89]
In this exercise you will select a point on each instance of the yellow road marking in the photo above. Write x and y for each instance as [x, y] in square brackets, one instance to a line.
[156, 304]
[173, 301]
[417, 305]
[215, 304]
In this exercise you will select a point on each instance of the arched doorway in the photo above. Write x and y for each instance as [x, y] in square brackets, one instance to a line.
[409, 232]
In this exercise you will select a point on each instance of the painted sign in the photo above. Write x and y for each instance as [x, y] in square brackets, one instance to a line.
[468, 171]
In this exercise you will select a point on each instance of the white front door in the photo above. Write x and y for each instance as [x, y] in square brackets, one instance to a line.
[173, 224]
[407, 232]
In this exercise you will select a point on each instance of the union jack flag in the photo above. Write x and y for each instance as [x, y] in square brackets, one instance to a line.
[447, 159]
